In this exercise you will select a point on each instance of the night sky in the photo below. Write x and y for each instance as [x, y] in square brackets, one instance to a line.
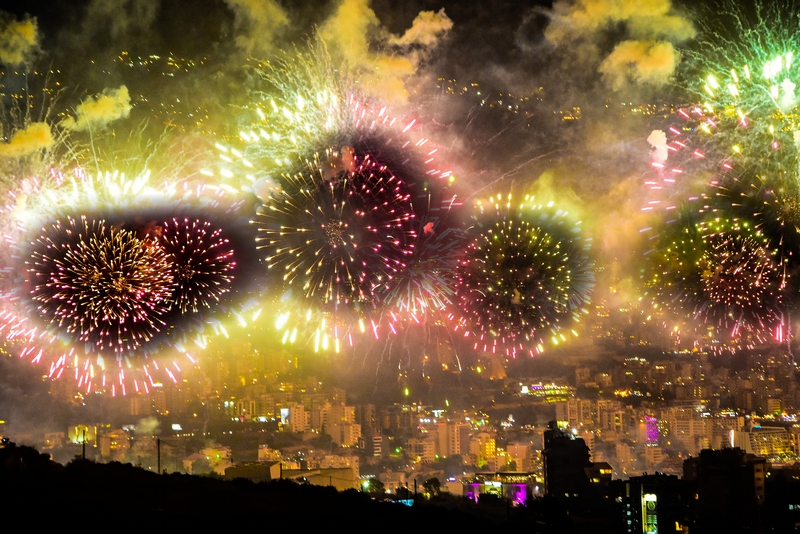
[560, 100]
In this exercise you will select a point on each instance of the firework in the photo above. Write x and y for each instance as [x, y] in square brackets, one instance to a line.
[525, 270]
[108, 289]
[428, 281]
[309, 106]
[202, 259]
[684, 163]
[721, 271]
[747, 87]
[772, 205]
[68, 345]
[338, 236]
[305, 108]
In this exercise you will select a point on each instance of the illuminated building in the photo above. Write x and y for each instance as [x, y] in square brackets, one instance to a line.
[651, 504]
[453, 438]
[422, 450]
[52, 440]
[514, 487]
[482, 447]
[82, 434]
[296, 417]
[344, 434]
[651, 428]
[114, 443]
[770, 442]
[548, 392]
[265, 454]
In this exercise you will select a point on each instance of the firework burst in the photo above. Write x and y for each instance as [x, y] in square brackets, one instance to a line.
[746, 74]
[722, 272]
[340, 235]
[525, 270]
[104, 287]
[202, 260]
[428, 281]
[135, 347]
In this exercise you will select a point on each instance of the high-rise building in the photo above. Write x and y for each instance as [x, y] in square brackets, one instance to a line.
[729, 486]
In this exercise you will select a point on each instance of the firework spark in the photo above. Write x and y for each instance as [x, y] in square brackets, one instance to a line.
[748, 87]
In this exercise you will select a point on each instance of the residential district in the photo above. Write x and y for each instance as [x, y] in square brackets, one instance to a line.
[639, 433]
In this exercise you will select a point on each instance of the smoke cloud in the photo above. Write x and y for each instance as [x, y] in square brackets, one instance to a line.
[354, 32]
[426, 30]
[36, 136]
[147, 426]
[97, 111]
[646, 53]
[258, 24]
[19, 40]
[639, 61]
[658, 140]
[120, 18]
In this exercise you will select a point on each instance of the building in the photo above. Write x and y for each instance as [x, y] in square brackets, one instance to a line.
[729, 488]
[514, 487]
[770, 442]
[340, 478]
[566, 459]
[344, 434]
[422, 450]
[453, 439]
[651, 503]
[255, 471]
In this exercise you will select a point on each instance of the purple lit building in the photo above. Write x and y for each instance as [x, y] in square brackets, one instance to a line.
[515, 487]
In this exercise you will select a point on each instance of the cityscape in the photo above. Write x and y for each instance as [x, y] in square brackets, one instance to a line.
[530, 264]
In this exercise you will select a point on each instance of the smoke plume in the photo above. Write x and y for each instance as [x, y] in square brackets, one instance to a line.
[19, 40]
[646, 53]
[258, 25]
[381, 60]
[97, 111]
[36, 136]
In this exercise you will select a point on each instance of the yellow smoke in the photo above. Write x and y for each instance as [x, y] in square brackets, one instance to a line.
[353, 31]
[257, 23]
[36, 136]
[654, 19]
[642, 61]
[549, 187]
[18, 40]
[645, 54]
[426, 29]
[349, 28]
[99, 110]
